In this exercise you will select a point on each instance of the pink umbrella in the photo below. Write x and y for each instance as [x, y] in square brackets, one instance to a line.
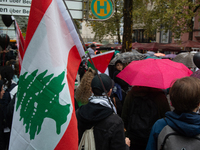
[157, 73]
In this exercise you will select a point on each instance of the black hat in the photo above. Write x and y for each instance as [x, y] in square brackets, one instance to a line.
[118, 61]
[96, 85]
[92, 45]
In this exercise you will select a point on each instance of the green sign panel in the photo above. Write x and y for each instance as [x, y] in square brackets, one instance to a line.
[102, 9]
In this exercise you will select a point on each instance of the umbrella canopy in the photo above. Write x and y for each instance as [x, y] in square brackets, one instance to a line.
[149, 53]
[187, 43]
[152, 46]
[186, 58]
[170, 56]
[158, 46]
[128, 57]
[196, 74]
[155, 46]
[159, 54]
[118, 47]
[109, 45]
[190, 43]
[138, 45]
[153, 57]
[156, 73]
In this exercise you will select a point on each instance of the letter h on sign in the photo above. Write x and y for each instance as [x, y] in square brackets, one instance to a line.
[99, 7]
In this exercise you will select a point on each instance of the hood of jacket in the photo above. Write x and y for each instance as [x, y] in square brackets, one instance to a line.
[187, 123]
[90, 114]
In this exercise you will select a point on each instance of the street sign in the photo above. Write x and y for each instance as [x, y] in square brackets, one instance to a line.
[16, 2]
[22, 7]
[102, 9]
[14, 10]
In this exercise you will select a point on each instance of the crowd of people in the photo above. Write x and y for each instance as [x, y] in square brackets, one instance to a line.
[125, 117]
[9, 77]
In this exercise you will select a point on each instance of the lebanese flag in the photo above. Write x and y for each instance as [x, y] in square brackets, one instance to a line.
[44, 116]
[20, 43]
[101, 61]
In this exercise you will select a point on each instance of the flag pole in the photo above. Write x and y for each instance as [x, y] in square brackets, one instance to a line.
[88, 53]
[15, 22]
[20, 42]
[78, 33]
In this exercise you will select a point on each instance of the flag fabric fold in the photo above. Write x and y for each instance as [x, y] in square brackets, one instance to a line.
[20, 43]
[101, 61]
[44, 117]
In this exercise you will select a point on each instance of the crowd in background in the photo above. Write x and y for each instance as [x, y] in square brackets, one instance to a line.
[142, 112]
[123, 116]
[9, 77]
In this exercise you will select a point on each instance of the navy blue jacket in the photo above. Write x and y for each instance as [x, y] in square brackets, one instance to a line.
[187, 124]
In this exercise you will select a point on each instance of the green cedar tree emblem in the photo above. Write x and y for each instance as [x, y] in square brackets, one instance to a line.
[38, 97]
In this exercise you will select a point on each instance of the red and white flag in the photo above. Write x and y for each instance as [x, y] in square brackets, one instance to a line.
[101, 61]
[20, 43]
[44, 116]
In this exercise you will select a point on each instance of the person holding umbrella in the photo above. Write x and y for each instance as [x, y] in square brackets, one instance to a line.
[143, 106]
[146, 102]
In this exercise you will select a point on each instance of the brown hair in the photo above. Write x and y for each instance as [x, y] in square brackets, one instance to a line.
[83, 92]
[185, 94]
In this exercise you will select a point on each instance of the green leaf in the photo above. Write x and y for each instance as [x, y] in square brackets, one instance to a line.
[38, 98]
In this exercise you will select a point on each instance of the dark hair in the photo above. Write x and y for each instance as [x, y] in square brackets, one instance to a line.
[185, 95]
[118, 61]
[92, 45]
[11, 62]
[7, 74]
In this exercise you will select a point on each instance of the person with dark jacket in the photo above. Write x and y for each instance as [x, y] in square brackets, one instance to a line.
[10, 87]
[100, 113]
[185, 120]
[146, 105]
[124, 86]
[2, 119]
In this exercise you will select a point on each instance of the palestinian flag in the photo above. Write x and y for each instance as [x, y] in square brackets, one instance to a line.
[44, 116]
[101, 61]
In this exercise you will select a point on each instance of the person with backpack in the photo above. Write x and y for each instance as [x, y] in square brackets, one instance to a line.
[180, 128]
[143, 106]
[100, 115]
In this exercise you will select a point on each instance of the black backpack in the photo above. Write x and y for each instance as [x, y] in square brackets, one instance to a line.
[144, 114]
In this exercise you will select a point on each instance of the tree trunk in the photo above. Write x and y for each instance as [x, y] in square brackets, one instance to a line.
[128, 23]
[191, 25]
[117, 25]
[118, 33]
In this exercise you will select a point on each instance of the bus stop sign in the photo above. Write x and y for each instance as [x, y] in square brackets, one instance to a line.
[102, 9]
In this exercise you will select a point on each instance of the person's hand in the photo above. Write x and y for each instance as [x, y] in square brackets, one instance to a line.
[127, 141]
